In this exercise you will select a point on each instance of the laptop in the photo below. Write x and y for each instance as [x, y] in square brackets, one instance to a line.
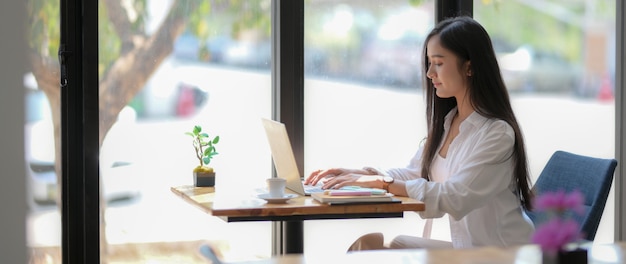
[284, 160]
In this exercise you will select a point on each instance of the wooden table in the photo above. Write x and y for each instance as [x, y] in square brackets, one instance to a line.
[597, 254]
[237, 207]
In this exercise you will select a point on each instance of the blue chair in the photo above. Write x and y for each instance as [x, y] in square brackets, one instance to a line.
[592, 176]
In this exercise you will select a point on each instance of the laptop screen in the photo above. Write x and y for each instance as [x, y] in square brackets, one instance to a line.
[282, 154]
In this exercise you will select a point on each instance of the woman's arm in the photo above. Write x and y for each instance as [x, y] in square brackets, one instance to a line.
[482, 171]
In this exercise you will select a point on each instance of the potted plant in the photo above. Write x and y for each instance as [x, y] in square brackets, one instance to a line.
[204, 146]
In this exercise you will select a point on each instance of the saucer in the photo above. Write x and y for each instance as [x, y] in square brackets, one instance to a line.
[284, 199]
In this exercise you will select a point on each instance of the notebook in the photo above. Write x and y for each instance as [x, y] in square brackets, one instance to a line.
[330, 198]
[284, 160]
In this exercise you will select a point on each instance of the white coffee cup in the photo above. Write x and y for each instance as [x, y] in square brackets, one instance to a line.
[276, 187]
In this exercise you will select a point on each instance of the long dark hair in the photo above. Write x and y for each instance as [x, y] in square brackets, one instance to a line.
[469, 41]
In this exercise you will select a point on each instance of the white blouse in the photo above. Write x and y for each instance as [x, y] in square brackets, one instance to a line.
[478, 191]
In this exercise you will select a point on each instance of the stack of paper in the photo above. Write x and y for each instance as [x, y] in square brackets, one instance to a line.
[364, 195]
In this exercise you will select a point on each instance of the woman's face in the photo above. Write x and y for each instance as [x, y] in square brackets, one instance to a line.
[447, 77]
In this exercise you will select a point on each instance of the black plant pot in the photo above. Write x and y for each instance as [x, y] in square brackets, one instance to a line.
[576, 256]
[204, 179]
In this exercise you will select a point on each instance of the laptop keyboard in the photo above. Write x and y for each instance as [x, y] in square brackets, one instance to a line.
[313, 188]
[309, 189]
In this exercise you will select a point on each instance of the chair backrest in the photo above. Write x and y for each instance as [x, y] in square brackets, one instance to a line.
[591, 176]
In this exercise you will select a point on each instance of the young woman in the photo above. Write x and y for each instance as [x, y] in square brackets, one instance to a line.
[473, 164]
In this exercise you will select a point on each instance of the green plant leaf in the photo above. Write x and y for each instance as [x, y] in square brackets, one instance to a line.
[203, 145]
[208, 150]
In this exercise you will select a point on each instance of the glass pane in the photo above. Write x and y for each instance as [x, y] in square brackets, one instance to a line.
[167, 66]
[42, 101]
[558, 61]
[363, 100]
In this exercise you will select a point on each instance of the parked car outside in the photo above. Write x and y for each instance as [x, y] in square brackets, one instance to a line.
[526, 69]
[167, 95]
[117, 169]
[188, 47]
[393, 62]
[393, 54]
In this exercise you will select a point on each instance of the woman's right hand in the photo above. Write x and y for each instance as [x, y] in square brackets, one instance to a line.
[322, 175]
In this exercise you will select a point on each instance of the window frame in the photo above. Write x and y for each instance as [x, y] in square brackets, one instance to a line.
[80, 201]
[288, 99]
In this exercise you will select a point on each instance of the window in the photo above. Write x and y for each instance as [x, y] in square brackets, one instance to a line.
[40, 84]
[363, 99]
[216, 76]
[559, 68]
[213, 72]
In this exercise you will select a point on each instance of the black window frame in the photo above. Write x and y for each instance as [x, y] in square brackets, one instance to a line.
[78, 58]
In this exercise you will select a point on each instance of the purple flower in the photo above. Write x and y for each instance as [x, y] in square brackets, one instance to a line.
[558, 230]
[556, 233]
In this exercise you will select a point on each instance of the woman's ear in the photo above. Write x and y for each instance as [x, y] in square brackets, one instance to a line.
[468, 68]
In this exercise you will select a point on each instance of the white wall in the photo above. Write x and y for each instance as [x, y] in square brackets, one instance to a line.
[12, 168]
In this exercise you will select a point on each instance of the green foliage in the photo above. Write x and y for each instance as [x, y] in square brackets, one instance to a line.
[199, 24]
[109, 45]
[228, 18]
[140, 15]
[529, 27]
[235, 16]
[539, 27]
[256, 16]
[44, 33]
[416, 2]
[203, 145]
